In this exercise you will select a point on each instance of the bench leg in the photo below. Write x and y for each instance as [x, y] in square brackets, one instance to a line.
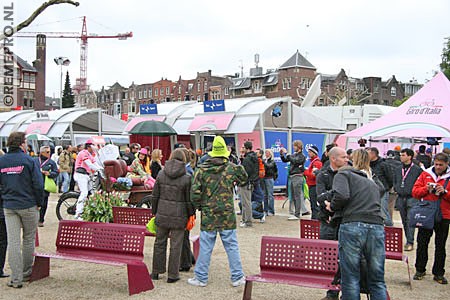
[138, 279]
[41, 268]
[195, 245]
[248, 290]
[406, 260]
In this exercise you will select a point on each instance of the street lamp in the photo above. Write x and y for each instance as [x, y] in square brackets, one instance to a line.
[61, 61]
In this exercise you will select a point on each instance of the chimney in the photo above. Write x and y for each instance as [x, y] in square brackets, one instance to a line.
[39, 64]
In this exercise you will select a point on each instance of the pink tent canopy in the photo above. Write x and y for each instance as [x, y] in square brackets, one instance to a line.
[425, 114]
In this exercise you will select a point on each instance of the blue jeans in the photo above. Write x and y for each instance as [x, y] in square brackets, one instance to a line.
[268, 195]
[359, 240]
[230, 243]
[385, 209]
[65, 181]
[255, 213]
[404, 205]
[257, 194]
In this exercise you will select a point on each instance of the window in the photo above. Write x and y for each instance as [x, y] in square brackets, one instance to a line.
[126, 95]
[179, 89]
[145, 93]
[304, 83]
[215, 95]
[227, 91]
[205, 86]
[289, 83]
[161, 91]
[167, 90]
[393, 91]
[131, 107]
[198, 86]
[150, 92]
[256, 85]
[283, 82]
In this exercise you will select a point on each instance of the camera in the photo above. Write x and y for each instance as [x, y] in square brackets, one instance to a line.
[433, 185]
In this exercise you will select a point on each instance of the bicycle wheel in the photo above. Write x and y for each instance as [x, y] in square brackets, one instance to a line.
[67, 205]
[146, 202]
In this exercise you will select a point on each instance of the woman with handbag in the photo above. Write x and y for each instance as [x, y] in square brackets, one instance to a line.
[172, 207]
[48, 169]
[432, 186]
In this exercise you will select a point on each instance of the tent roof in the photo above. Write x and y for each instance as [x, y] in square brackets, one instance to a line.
[425, 114]
[56, 122]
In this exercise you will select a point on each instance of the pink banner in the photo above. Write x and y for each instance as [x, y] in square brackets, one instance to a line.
[253, 137]
[213, 122]
[138, 120]
[39, 127]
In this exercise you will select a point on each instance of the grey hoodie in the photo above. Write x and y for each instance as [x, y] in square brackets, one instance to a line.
[356, 197]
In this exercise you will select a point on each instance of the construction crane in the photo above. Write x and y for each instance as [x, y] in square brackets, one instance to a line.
[81, 82]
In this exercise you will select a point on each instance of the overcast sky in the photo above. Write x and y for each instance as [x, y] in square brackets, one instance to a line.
[404, 38]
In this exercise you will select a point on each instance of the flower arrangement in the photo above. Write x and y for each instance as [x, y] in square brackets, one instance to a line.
[121, 183]
[98, 206]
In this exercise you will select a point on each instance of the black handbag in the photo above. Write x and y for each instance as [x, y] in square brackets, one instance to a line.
[426, 213]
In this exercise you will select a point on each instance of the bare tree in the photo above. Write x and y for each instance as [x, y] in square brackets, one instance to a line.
[34, 15]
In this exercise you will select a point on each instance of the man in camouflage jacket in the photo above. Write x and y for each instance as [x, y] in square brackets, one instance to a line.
[212, 194]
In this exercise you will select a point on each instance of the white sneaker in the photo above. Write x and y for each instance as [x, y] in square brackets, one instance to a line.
[263, 219]
[195, 282]
[270, 214]
[238, 282]
[78, 218]
[245, 225]
[293, 218]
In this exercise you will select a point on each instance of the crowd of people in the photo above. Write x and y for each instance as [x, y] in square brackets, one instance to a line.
[350, 192]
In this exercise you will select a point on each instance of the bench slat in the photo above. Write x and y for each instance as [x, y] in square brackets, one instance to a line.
[305, 280]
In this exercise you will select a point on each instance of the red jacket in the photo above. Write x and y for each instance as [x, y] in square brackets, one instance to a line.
[420, 189]
[310, 176]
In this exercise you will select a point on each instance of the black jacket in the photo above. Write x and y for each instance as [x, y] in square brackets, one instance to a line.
[297, 160]
[171, 196]
[251, 166]
[425, 159]
[271, 169]
[324, 187]
[383, 172]
[356, 197]
[413, 174]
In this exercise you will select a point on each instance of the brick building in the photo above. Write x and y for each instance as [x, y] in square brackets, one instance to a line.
[293, 78]
[340, 89]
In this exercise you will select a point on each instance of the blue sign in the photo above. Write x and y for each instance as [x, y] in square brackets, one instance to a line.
[274, 141]
[148, 109]
[214, 105]
[309, 139]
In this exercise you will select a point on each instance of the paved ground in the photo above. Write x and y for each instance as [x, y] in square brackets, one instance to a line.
[75, 280]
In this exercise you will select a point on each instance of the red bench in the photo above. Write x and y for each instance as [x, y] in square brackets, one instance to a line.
[102, 243]
[141, 216]
[301, 262]
[310, 229]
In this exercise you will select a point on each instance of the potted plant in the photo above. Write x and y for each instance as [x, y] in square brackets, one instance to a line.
[98, 206]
